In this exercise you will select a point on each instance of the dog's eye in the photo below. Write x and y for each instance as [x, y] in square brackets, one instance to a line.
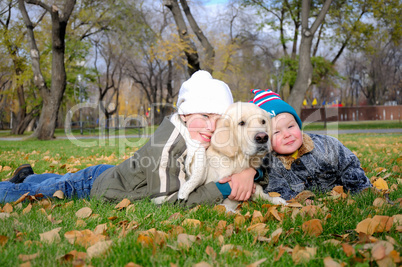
[263, 122]
[242, 123]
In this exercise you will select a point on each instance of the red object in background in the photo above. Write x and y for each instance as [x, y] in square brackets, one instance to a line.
[336, 105]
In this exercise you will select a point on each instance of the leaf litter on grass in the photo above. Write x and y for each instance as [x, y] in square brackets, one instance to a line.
[268, 226]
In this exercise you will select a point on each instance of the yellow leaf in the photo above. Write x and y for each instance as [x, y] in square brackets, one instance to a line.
[380, 184]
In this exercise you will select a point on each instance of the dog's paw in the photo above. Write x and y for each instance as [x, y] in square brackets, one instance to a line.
[182, 195]
[278, 201]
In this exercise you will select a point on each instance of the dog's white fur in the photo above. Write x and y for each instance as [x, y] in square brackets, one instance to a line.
[233, 149]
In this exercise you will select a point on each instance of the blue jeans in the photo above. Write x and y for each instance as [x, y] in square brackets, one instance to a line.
[77, 184]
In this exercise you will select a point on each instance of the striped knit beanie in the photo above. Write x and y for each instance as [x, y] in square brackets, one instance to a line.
[273, 104]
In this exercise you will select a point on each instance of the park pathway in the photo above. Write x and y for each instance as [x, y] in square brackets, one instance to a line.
[329, 132]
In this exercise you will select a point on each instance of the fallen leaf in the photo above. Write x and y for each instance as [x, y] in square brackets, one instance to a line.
[100, 229]
[22, 198]
[348, 249]
[367, 226]
[211, 252]
[83, 213]
[275, 235]
[379, 202]
[123, 204]
[59, 194]
[185, 241]
[239, 221]
[257, 217]
[303, 254]
[274, 194]
[23, 257]
[257, 263]
[302, 196]
[3, 240]
[191, 223]
[259, 228]
[27, 209]
[381, 184]
[99, 249]
[8, 208]
[330, 262]
[51, 236]
[312, 227]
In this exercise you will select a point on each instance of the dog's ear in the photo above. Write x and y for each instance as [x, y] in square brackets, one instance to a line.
[223, 139]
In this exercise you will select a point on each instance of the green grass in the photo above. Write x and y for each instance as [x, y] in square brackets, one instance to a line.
[353, 125]
[377, 153]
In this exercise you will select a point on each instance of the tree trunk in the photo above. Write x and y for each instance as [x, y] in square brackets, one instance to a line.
[305, 72]
[51, 98]
[209, 50]
[191, 52]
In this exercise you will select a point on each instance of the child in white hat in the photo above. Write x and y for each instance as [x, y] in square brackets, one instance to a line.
[160, 167]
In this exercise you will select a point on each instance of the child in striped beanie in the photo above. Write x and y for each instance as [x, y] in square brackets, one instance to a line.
[304, 161]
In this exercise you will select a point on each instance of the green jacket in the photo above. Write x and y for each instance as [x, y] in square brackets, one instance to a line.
[155, 171]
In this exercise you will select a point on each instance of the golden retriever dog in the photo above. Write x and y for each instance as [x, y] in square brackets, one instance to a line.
[241, 140]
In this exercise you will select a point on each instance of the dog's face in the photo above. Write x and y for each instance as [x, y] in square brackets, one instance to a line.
[244, 128]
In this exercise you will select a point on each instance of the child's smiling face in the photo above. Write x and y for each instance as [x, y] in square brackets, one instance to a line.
[287, 136]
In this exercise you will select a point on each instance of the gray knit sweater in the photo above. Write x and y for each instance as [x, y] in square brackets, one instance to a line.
[323, 162]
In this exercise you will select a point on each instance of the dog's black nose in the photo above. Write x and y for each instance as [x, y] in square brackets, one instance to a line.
[261, 138]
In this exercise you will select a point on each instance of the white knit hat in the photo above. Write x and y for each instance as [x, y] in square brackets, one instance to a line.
[203, 94]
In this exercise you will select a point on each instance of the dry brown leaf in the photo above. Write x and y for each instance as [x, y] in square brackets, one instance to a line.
[259, 228]
[311, 210]
[191, 223]
[257, 263]
[312, 227]
[99, 249]
[221, 209]
[51, 236]
[80, 223]
[303, 254]
[348, 249]
[367, 226]
[211, 252]
[330, 262]
[3, 240]
[332, 241]
[100, 229]
[274, 194]
[27, 209]
[282, 249]
[239, 221]
[132, 264]
[397, 219]
[23, 257]
[272, 211]
[22, 198]
[384, 223]
[8, 208]
[123, 204]
[275, 235]
[395, 168]
[84, 213]
[50, 218]
[59, 194]
[294, 205]
[257, 217]
[302, 196]
[185, 241]
[379, 202]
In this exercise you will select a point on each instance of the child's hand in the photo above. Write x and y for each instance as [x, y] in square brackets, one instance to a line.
[242, 184]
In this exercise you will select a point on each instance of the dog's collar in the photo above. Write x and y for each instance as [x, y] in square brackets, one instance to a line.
[306, 147]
